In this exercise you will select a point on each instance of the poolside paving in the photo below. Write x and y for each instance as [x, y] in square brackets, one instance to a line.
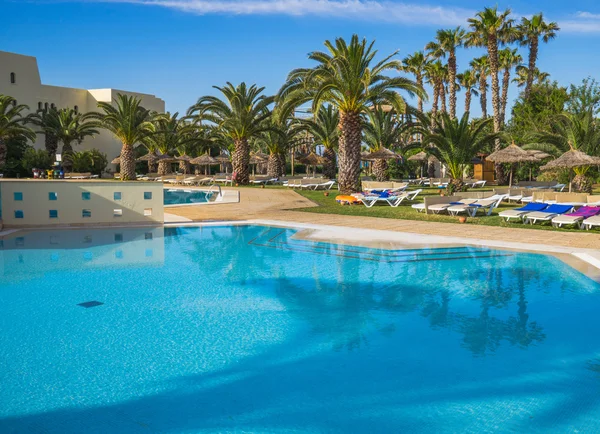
[283, 205]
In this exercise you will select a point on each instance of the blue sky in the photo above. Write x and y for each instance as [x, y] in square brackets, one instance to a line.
[178, 49]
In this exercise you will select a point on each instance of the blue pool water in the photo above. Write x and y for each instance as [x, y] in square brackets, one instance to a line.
[181, 196]
[246, 329]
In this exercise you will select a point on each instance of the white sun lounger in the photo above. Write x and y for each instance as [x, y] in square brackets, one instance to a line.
[541, 216]
[471, 209]
[441, 207]
[392, 200]
[591, 222]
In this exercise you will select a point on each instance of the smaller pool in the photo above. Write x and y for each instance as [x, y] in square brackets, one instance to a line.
[175, 196]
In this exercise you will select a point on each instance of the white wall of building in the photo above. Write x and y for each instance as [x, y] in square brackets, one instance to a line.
[29, 90]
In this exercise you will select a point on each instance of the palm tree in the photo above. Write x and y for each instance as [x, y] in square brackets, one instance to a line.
[522, 76]
[41, 118]
[67, 126]
[489, 29]
[481, 66]
[382, 131]
[323, 127]
[130, 123]
[579, 131]
[12, 124]
[455, 142]
[508, 59]
[446, 43]
[348, 78]
[435, 74]
[468, 81]
[196, 140]
[416, 64]
[242, 116]
[530, 32]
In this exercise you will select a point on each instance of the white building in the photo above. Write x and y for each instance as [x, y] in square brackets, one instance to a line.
[20, 78]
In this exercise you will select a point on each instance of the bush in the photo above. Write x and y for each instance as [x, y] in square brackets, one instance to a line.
[13, 168]
[35, 159]
[92, 161]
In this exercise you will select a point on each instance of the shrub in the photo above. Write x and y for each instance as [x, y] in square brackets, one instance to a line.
[35, 159]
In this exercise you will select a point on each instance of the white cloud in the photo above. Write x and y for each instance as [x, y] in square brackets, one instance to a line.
[374, 10]
[581, 22]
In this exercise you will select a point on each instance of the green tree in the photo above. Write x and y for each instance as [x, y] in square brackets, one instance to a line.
[522, 71]
[481, 67]
[416, 64]
[530, 32]
[509, 59]
[445, 45]
[12, 124]
[35, 159]
[382, 130]
[468, 81]
[241, 116]
[67, 126]
[323, 127]
[130, 123]
[42, 118]
[436, 73]
[585, 97]
[348, 78]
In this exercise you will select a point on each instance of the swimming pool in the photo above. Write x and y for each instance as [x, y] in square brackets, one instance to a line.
[176, 196]
[244, 328]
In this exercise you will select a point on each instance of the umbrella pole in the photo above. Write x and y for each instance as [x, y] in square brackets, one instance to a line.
[570, 180]
[510, 178]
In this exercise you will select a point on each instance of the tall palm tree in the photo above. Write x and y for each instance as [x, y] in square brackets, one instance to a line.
[468, 81]
[348, 78]
[41, 118]
[455, 142]
[68, 126]
[508, 59]
[382, 130]
[323, 127]
[531, 30]
[522, 76]
[242, 115]
[130, 123]
[195, 140]
[416, 65]
[481, 66]
[12, 124]
[435, 74]
[445, 44]
[489, 29]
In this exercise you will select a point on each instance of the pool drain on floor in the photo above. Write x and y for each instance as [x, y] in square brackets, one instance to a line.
[89, 304]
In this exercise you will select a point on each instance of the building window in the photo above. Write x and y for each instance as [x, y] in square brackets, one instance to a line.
[46, 106]
[40, 105]
[119, 254]
[117, 213]
[86, 195]
[149, 253]
[147, 212]
[147, 195]
[14, 102]
[18, 196]
[117, 195]
[52, 106]
[53, 213]
[86, 213]
[118, 238]
[19, 214]
[76, 109]
[52, 196]
[148, 236]
[13, 78]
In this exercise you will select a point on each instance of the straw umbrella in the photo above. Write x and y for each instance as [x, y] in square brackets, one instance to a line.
[163, 161]
[380, 157]
[204, 160]
[540, 155]
[511, 154]
[313, 160]
[223, 159]
[257, 158]
[184, 163]
[423, 158]
[571, 160]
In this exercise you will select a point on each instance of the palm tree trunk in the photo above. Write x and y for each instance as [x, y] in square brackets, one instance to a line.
[443, 96]
[380, 170]
[152, 166]
[127, 163]
[329, 163]
[67, 157]
[419, 99]
[505, 84]
[349, 151]
[492, 46]
[3, 151]
[452, 85]
[282, 165]
[468, 100]
[51, 145]
[241, 161]
[185, 167]
[483, 95]
[164, 167]
[273, 169]
[533, 51]
[434, 106]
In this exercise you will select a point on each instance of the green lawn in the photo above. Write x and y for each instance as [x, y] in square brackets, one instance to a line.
[328, 205]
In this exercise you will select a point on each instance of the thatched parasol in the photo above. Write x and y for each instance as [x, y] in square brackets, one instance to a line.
[311, 159]
[184, 157]
[511, 154]
[540, 155]
[154, 157]
[570, 160]
[381, 154]
[223, 158]
[204, 160]
[422, 157]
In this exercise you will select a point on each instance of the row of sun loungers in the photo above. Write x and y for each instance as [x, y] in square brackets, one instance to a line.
[391, 198]
[469, 206]
[557, 214]
[310, 183]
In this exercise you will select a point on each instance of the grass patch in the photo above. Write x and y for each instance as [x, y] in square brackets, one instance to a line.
[328, 205]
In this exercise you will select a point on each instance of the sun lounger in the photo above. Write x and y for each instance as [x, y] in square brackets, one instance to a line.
[391, 199]
[577, 217]
[441, 207]
[518, 213]
[324, 185]
[591, 222]
[487, 204]
[547, 214]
